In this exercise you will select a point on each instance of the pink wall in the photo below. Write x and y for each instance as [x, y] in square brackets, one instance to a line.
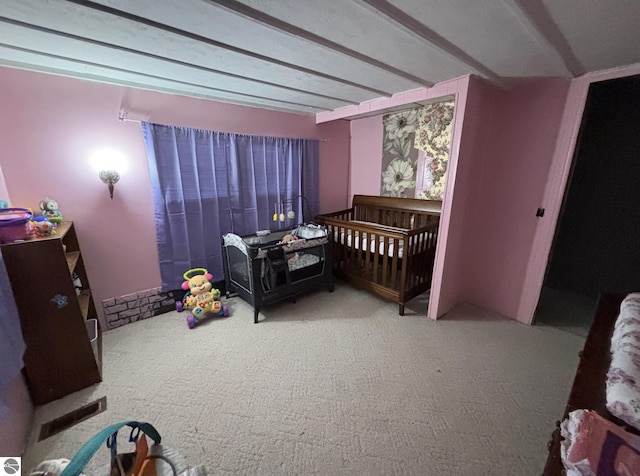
[5, 121]
[56, 123]
[4, 192]
[334, 165]
[366, 156]
[470, 112]
[508, 160]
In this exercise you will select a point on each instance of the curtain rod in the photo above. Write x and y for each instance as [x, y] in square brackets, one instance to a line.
[123, 117]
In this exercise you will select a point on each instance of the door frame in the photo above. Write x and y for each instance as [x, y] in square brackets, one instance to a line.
[556, 184]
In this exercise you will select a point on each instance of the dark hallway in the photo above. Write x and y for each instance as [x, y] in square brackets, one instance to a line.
[597, 244]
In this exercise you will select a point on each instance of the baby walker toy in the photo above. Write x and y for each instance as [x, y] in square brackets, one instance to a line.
[202, 299]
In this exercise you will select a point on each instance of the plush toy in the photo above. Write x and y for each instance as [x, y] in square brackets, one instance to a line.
[50, 210]
[201, 297]
[289, 238]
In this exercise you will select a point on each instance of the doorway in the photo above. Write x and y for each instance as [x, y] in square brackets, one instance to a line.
[596, 244]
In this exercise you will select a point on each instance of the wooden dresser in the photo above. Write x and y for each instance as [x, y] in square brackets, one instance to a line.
[60, 357]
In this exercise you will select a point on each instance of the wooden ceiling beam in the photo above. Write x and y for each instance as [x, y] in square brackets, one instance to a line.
[410, 24]
[219, 44]
[537, 15]
[164, 59]
[276, 23]
[161, 78]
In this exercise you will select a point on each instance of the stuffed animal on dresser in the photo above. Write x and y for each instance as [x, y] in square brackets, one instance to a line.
[50, 210]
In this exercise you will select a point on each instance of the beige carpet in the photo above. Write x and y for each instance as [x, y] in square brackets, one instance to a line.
[336, 384]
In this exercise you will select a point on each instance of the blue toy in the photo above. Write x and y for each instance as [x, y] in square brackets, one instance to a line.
[202, 299]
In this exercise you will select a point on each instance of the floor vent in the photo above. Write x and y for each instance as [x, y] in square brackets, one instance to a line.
[76, 416]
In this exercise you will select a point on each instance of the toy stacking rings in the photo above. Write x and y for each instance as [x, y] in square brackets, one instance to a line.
[192, 272]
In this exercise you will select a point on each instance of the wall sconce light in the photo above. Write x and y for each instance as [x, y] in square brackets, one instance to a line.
[110, 178]
[109, 164]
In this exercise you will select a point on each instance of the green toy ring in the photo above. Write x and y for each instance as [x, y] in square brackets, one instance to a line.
[188, 274]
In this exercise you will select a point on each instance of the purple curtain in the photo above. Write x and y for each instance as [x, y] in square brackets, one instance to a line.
[208, 183]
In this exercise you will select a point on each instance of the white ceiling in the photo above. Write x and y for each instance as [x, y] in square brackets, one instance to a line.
[309, 56]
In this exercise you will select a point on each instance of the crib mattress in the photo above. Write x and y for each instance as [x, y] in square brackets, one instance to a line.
[370, 244]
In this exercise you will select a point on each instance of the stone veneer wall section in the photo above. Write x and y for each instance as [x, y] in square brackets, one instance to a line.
[134, 307]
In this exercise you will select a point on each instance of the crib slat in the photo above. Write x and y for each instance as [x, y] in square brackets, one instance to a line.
[372, 240]
[355, 239]
[385, 260]
[375, 278]
[394, 264]
[414, 245]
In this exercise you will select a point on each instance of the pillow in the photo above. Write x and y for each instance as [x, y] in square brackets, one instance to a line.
[593, 445]
[623, 377]
[627, 326]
